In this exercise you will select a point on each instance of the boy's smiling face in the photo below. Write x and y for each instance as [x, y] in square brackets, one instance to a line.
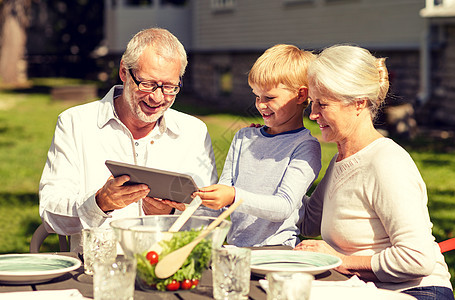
[280, 108]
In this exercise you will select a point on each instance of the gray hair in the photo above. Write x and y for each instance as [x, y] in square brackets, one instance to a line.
[164, 43]
[350, 73]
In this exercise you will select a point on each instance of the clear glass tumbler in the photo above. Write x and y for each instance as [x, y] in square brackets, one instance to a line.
[231, 272]
[289, 286]
[99, 244]
[114, 280]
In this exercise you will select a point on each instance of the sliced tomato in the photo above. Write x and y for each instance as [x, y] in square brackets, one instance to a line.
[173, 286]
[194, 282]
[152, 257]
[186, 284]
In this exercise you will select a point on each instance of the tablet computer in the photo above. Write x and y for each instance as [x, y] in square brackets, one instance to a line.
[163, 184]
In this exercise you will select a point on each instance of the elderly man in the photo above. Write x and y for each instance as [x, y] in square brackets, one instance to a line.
[133, 123]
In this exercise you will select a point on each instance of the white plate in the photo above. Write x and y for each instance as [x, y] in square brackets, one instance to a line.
[265, 261]
[355, 293]
[34, 268]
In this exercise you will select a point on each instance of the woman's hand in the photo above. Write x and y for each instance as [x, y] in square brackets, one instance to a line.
[216, 196]
[351, 265]
[318, 246]
[322, 247]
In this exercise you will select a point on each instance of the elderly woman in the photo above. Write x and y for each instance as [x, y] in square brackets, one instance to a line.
[371, 206]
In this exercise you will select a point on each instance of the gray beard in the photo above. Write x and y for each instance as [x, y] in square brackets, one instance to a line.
[136, 110]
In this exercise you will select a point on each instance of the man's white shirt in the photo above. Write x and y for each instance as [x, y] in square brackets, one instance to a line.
[87, 135]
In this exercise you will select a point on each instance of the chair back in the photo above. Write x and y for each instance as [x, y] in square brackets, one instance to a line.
[447, 245]
[41, 234]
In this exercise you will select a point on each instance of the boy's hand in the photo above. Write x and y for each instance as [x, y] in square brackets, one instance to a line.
[216, 196]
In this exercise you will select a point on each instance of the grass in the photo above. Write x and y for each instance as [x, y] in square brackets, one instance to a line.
[27, 122]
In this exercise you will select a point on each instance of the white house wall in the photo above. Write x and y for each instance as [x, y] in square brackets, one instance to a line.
[258, 24]
[123, 22]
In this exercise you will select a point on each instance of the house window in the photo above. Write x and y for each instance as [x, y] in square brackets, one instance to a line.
[222, 4]
[222, 81]
[225, 84]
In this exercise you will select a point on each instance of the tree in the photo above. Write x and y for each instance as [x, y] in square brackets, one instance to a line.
[14, 19]
[64, 35]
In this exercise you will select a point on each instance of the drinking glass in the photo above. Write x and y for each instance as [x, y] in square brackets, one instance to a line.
[231, 272]
[289, 286]
[99, 244]
[114, 280]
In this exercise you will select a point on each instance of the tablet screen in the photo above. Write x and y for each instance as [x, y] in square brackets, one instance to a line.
[163, 184]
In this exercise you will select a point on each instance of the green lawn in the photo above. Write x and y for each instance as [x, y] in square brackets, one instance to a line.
[27, 122]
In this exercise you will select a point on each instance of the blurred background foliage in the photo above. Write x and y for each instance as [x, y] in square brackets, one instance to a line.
[65, 33]
[52, 37]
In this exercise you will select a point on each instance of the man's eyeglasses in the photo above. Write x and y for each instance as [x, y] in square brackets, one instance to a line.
[150, 87]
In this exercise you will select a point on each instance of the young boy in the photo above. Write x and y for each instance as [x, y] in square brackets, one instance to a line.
[270, 167]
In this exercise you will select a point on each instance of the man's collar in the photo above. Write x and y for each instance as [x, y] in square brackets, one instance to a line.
[168, 122]
[106, 110]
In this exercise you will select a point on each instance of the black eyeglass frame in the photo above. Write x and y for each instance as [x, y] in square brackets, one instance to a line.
[161, 86]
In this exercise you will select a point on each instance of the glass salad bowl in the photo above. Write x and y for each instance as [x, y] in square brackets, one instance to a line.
[148, 240]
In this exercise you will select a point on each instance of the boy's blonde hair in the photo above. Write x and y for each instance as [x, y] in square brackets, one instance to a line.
[285, 64]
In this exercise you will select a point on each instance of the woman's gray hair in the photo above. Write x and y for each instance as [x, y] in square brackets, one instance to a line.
[164, 43]
[350, 73]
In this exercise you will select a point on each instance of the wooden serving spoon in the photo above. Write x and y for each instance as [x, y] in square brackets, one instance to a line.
[186, 214]
[181, 220]
[170, 264]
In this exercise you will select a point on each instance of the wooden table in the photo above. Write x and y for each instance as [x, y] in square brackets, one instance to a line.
[84, 283]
